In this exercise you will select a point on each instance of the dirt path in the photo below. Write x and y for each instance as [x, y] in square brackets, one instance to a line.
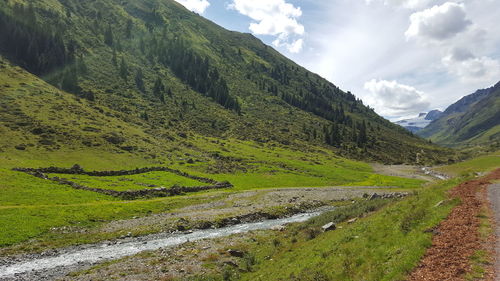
[457, 238]
[494, 198]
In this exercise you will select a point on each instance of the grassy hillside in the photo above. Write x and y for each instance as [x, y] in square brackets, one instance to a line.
[474, 120]
[43, 126]
[172, 73]
[113, 104]
[481, 164]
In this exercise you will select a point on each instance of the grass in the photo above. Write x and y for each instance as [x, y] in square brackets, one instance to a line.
[357, 209]
[479, 261]
[30, 207]
[386, 242]
[484, 163]
[384, 246]
[41, 222]
[268, 166]
[133, 182]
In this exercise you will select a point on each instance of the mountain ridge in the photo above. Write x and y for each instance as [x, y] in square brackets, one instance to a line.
[473, 120]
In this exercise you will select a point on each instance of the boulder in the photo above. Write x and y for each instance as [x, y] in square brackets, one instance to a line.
[353, 220]
[329, 227]
[236, 253]
[278, 228]
[230, 263]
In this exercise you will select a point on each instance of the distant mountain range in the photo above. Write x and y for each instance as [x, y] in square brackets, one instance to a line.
[418, 123]
[473, 120]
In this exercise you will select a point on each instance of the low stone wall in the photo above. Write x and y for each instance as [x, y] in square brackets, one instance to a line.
[129, 195]
[77, 170]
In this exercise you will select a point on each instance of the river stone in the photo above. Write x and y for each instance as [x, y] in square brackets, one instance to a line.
[278, 228]
[236, 253]
[329, 227]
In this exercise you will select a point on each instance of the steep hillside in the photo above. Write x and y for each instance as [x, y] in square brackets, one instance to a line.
[173, 73]
[473, 120]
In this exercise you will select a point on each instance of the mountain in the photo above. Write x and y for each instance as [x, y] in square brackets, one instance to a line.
[473, 120]
[418, 123]
[158, 68]
[433, 115]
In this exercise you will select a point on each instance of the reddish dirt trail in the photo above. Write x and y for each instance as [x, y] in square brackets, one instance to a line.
[457, 237]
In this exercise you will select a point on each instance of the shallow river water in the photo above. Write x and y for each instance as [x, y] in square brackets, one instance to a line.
[105, 252]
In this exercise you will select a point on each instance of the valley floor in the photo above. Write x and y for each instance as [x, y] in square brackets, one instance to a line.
[377, 237]
[219, 212]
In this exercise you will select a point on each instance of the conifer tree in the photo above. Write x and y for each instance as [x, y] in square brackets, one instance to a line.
[139, 80]
[158, 88]
[123, 69]
[70, 81]
[142, 45]
[82, 66]
[362, 136]
[114, 59]
[128, 30]
[108, 36]
[118, 45]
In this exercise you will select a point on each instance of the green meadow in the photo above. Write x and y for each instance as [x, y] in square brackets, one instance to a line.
[387, 241]
[30, 207]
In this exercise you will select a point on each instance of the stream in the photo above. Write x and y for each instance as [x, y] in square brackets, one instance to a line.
[430, 172]
[77, 258]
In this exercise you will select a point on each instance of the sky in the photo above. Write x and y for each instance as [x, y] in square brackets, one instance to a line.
[401, 57]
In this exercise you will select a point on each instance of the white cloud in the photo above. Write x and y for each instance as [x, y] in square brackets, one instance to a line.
[390, 98]
[274, 17]
[369, 42]
[439, 22]
[293, 47]
[198, 6]
[463, 64]
[296, 46]
[410, 4]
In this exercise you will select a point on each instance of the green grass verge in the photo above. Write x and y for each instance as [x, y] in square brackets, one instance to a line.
[484, 163]
[384, 246]
[44, 223]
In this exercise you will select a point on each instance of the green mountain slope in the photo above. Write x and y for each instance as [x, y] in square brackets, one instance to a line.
[173, 73]
[42, 126]
[474, 120]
